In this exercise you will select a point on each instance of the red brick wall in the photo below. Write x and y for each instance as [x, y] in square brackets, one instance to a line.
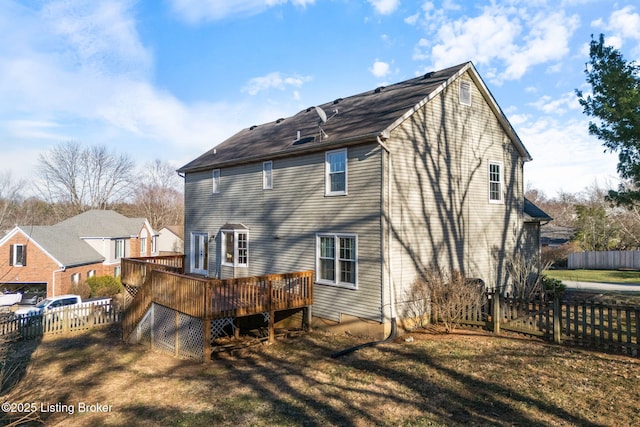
[40, 268]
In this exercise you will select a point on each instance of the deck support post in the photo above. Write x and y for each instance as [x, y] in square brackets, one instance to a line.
[306, 318]
[272, 315]
[206, 323]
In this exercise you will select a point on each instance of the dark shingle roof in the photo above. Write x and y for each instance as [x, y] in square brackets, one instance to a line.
[359, 117]
[533, 213]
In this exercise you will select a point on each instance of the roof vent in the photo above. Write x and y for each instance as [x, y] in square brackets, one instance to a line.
[309, 109]
[337, 100]
[253, 127]
[379, 89]
[279, 120]
[428, 75]
[304, 140]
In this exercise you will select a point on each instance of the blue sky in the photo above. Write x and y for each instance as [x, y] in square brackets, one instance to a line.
[171, 79]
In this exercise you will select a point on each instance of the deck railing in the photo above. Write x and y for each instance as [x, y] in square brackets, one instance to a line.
[209, 299]
[135, 270]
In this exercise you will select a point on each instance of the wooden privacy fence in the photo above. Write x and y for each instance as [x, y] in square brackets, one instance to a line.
[604, 260]
[602, 325]
[60, 320]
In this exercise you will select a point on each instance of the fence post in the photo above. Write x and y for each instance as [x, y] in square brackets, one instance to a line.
[496, 312]
[557, 318]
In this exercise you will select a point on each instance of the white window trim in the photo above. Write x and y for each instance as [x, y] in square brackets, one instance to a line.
[122, 255]
[464, 88]
[267, 175]
[327, 173]
[223, 248]
[18, 262]
[337, 282]
[501, 182]
[215, 181]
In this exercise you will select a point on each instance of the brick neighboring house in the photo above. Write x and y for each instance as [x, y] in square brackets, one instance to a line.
[53, 258]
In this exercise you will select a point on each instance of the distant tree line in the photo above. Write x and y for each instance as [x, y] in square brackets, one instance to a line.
[71, 179]
[600, 224]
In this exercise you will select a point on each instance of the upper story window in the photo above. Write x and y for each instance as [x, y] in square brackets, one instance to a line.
[336, 172]
[18, 255]
[465, 92]
[215, 175]
[495, 182]
[336, 262]
[235, 246]
[267, 175]
[119, 248]
[75, 278]
[91, 273]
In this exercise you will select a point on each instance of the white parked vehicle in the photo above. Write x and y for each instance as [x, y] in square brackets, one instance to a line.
[60, 302]
[10, 299]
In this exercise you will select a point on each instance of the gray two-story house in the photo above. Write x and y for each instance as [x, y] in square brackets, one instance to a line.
[366, 190]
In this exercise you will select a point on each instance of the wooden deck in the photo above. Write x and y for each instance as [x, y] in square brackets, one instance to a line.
[209, 299]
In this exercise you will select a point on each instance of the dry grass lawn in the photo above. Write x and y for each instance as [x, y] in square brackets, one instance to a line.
[465, 378]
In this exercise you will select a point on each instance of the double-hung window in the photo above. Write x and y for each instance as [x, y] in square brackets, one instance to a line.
[495, 182]
[18, 255]
[143, 246]
[337, 259]
[336, 172]
[235, 247]
[119, 249]
[267, 175]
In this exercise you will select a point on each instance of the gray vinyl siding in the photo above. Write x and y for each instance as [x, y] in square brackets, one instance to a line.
[441, 215]
[283, 222]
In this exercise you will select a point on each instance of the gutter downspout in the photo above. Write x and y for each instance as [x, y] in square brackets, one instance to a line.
[392, 299]
[53, 280]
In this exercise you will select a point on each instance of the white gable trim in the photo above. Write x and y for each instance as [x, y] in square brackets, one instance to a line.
[17, 230]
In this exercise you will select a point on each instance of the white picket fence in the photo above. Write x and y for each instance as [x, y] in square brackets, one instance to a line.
[604, 260]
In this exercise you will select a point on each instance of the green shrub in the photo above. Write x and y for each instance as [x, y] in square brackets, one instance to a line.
[104, 286]
[553, 285]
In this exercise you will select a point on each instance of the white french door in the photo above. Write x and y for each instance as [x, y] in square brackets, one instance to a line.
[199, 253]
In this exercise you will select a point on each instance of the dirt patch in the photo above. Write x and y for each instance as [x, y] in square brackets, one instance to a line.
[469, 377]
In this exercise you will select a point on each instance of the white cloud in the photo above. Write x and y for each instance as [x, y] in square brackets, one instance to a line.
[385, 7]
[274, 80]
[559, 106]
[196, 11]
[564, 153]
[380, 69]
[512, 36]
[623, 25]
[78, 70]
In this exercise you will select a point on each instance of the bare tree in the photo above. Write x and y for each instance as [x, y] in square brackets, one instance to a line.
[158, 196]
[85, 178]
[10, 197]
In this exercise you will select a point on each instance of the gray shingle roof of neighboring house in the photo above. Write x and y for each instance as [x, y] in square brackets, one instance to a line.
[64, 240]
[66, 248]
[101, 223]
[360, 117]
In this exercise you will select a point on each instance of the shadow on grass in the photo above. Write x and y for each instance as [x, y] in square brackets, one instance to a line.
[296, 382]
